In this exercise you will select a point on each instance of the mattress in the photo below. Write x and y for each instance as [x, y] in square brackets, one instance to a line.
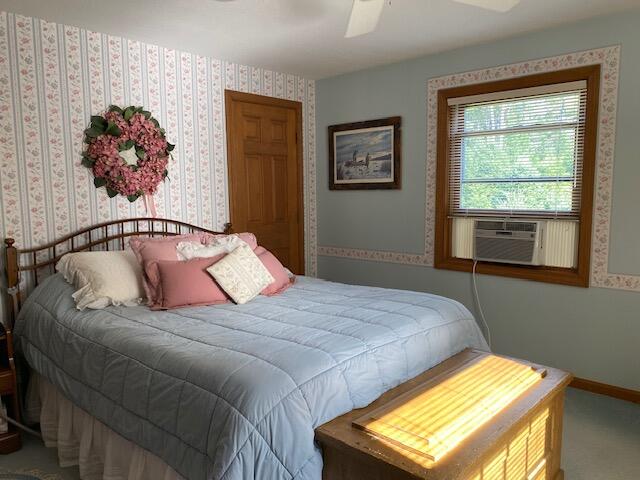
[235, 391]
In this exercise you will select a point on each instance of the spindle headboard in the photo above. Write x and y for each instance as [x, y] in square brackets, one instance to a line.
[26, 267]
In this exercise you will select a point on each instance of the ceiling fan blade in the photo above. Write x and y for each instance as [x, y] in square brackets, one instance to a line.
[364, 18]
[496, 5]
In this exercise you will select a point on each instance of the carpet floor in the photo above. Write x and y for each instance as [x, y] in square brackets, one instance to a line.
[601, 441]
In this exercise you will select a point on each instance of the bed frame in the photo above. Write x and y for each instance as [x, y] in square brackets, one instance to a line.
[26, 267]
[343, 457]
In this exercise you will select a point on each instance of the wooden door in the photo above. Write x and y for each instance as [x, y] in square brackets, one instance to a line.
[264, 156]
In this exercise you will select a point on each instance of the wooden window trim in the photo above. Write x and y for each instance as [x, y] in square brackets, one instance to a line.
[578, 276]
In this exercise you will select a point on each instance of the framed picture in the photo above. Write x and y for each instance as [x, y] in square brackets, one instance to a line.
[365, 155]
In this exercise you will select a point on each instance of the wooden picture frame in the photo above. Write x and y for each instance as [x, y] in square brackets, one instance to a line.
[365, 155]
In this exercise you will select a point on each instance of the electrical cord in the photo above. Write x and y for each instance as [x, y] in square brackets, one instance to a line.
[477, 300]
[19, 425]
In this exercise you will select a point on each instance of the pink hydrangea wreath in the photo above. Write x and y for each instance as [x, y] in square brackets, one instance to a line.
[127, 151]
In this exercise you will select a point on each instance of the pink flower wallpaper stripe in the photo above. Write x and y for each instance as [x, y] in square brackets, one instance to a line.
[53, 77]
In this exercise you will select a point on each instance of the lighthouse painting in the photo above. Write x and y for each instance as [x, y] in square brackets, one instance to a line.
[365, 155]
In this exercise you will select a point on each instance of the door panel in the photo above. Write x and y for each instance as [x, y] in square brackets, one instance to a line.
[265, 173]
[251, 128]
[254, 173]
[278, 132]
[279, 180]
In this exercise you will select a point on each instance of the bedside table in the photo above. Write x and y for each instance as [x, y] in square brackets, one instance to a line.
[10, 441]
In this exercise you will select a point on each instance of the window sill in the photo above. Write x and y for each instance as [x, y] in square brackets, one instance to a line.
[541, 273]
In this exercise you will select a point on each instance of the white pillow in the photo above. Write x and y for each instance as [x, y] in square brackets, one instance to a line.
[103, 278]
[241, 274]
[226, 244]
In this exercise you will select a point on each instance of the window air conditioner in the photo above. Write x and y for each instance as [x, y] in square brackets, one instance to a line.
[508, 241]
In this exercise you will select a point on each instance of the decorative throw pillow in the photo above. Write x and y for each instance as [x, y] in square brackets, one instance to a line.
[218, 239]
[103, 278]
[241, 274]
[187, 283]
[189, 250]
[282, 280]
[149, 251]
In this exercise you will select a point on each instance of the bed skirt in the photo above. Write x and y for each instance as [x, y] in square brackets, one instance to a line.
[99, 452]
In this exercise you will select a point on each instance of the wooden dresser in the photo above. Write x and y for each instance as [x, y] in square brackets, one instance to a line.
[9, 442]
[522, 441]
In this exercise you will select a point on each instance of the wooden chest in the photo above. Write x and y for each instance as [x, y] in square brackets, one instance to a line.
[521, 442]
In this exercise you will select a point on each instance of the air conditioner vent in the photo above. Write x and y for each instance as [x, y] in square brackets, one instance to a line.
[504, 249]
[521, 226]
[488, 225]
[508, 241]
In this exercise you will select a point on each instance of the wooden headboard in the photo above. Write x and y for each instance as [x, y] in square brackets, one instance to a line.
[26, 267]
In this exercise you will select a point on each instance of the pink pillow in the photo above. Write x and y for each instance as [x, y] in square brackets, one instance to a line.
[149, 250]
[187, 283]
[277, 271]
[248, 238]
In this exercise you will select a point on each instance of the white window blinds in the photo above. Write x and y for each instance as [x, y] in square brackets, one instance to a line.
[518, 152]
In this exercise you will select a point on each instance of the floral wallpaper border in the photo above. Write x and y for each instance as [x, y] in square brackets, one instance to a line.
[54, 76]
[609, 59]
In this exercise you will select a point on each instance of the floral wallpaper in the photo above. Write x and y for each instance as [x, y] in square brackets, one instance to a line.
[54, 77]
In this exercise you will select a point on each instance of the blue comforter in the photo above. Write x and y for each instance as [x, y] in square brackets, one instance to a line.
[235, 392]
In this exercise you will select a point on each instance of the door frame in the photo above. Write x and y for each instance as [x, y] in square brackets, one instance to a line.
[232, 96]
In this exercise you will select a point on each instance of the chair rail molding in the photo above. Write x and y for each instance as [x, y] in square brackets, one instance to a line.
[609, 60]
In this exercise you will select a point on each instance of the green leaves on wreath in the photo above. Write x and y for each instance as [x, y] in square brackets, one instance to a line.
[87, 161]
[126, 145]
[93, 132]
[132, 110]
[102, 182]
[128, 113]
[99, 182]
[112, 129]
[134, 197]
[99, 122]
[170, 147]
[100, 126]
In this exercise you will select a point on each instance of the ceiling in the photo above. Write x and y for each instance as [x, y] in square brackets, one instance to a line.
[306, 37]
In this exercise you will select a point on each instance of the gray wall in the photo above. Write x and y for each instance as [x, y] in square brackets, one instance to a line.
[595, 333]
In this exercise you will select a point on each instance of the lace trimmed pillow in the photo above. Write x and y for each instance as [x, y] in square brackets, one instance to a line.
[241, 274]
[219, 239]
[103, 278]
[191, 250]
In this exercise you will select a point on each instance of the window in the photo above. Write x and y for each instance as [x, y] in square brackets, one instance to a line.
[518, 148]
[518, 156]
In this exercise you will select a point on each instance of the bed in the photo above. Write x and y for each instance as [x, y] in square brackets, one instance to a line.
[230, 391]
